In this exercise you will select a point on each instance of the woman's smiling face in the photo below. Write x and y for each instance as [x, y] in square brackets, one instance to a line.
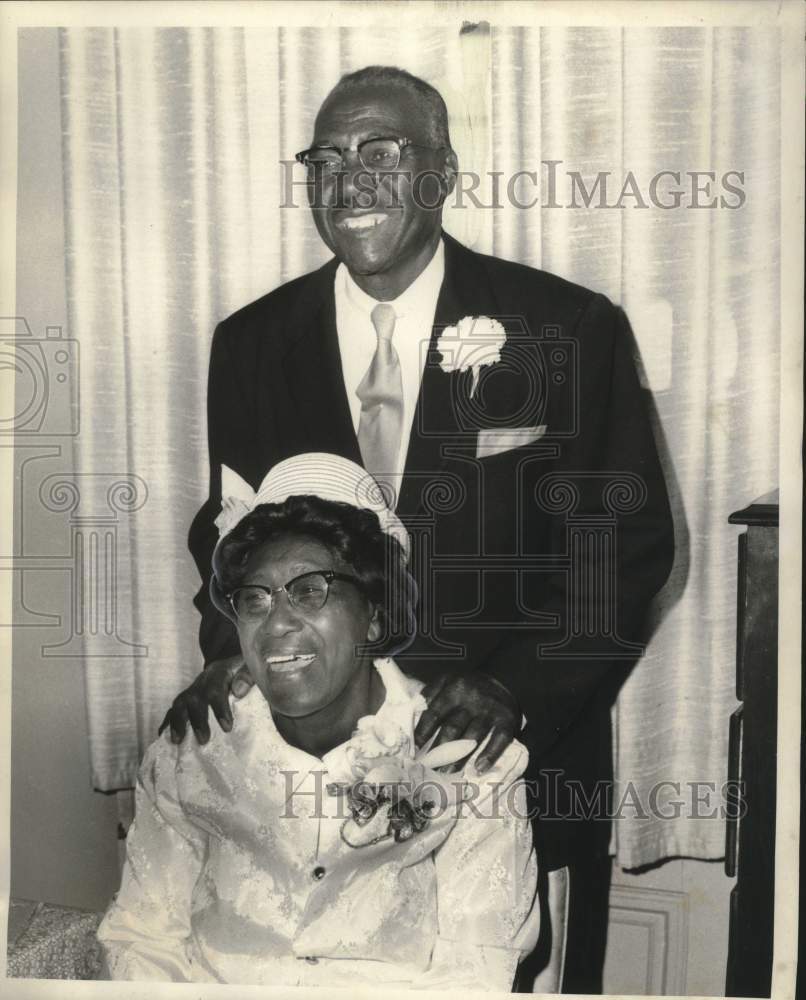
[305, 661]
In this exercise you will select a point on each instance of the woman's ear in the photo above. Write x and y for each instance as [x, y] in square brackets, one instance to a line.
[375, 629]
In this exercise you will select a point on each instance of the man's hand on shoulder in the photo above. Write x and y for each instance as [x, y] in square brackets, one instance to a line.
[470, 707]
[211, 689]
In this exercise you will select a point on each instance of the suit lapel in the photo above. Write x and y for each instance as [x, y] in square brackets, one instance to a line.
[315, 381]
[312, 368]
[436, 425]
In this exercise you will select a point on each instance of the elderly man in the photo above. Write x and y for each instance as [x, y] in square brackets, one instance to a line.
[498, 471]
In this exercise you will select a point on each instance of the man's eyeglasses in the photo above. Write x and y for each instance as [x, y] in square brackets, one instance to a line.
[374, 155]
[307, 593]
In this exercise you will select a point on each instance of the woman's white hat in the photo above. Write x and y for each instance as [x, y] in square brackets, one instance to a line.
[319, 474]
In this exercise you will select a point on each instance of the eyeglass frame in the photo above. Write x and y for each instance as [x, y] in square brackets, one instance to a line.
[402, 143]
[329, 576]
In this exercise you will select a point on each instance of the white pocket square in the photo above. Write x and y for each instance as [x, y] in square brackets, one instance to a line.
[500, 439]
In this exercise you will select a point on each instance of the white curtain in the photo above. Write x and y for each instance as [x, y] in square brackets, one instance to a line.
[172, 142]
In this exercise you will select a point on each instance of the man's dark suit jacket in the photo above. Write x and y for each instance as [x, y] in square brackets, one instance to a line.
[510, 551]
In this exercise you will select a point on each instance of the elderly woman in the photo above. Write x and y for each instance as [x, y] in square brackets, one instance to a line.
[309, 846]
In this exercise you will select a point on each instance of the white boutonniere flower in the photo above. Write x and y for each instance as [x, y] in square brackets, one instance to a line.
[474, 342]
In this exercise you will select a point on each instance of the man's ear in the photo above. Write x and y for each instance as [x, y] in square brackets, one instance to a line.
[450, 169]
[375, 629]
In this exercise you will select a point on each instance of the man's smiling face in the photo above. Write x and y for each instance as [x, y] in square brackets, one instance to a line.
[383, 232]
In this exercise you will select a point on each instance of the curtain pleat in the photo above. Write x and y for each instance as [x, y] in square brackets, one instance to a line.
[179, 147]
[95, 240]
[703, 304]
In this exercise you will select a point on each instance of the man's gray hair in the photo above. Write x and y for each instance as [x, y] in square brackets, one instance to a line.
[428, 98]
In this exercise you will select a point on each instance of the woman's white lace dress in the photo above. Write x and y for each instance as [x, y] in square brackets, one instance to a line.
[236, 871]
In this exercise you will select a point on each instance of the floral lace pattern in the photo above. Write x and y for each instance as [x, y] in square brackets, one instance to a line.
[236, 870]
[58, 942]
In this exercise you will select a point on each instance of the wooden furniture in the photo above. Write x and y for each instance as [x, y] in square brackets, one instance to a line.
[750, 846]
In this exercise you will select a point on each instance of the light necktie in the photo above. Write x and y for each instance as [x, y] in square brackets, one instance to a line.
[380, 426]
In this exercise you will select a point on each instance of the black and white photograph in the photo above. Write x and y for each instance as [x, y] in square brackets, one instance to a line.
[402, 462]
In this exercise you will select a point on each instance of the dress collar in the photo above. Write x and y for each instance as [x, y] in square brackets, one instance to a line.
[400, 710]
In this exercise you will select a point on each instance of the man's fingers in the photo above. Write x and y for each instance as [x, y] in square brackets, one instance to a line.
[478, 729]
[196, 710]
[501, 738]
[178, 718]
[218, 698]
[209, 690]
[433, 688]
[430, 720]
[453, 726]
[219, 702]
[426, 727]
[440, 703]
[242, 682]
[468, 707]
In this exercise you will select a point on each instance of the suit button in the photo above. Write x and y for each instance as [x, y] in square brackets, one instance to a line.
[318, 873]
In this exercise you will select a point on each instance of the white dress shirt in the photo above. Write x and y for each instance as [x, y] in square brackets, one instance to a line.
[229, 878]
[414, 318]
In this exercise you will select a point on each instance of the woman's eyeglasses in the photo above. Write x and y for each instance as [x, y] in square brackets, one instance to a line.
[307, 593]
[375, 155]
